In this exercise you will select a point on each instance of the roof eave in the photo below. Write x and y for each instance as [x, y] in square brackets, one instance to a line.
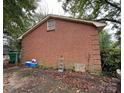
[98, 25]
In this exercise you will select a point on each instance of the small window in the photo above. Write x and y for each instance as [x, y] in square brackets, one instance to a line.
[50, 25]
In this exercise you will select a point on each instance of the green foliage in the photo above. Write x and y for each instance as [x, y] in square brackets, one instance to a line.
[19, 16]
[110, 56]
[16, 13]
[105, 41]
[111, 60]
[92, 9]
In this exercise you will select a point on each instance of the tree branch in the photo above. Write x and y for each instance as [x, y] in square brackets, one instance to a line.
[111, 20]
[114, 5]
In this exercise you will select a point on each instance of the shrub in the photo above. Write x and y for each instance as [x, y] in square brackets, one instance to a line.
[111, 60]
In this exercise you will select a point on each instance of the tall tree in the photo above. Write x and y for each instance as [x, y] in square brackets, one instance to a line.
[100, 10]
[16, 14]
[19, 15]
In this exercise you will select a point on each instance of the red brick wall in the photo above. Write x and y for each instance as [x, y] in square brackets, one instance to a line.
[76, 42]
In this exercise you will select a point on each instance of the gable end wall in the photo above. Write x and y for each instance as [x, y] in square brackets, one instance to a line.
[76, 42]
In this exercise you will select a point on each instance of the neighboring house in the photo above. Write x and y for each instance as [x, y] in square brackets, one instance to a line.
[57, 37]
[6, 45]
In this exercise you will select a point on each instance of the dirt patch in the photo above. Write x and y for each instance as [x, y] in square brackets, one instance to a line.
[27, 80]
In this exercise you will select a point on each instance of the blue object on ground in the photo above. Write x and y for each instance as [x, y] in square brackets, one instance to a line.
[30, 64]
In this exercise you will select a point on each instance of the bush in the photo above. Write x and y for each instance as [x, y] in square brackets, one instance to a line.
[111, 60]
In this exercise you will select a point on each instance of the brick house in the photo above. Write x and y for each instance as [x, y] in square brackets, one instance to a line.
[57, 37]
